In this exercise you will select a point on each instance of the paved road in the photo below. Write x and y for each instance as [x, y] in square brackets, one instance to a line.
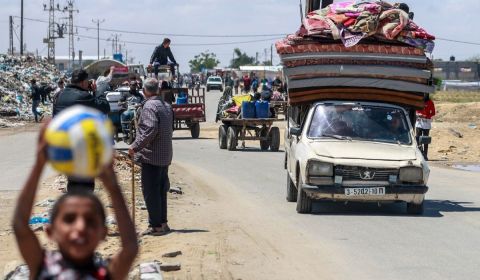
[370, 242]
[375, 243]
[17, 150]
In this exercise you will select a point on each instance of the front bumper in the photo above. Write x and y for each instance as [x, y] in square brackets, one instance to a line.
[410, 194]
[215, 86]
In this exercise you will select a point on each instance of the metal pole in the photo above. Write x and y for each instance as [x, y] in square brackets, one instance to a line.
[21, 28]
[98, 35]
[11, 36]
[271, 55]
[98, 40]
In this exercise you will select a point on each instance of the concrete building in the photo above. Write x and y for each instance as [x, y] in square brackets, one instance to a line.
[457, 70]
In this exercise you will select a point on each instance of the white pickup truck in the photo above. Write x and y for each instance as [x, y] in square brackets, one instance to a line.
[354, 151]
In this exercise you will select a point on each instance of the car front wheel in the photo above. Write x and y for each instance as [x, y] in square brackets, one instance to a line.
[304, 203]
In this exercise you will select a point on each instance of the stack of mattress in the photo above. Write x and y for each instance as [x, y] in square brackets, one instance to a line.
[370, 70]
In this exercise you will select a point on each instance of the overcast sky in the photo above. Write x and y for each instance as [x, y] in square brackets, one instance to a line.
[448, 19]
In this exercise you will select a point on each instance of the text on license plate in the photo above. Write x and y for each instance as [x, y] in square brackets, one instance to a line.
[364, 191]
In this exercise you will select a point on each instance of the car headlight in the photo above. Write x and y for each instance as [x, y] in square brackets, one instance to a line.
[411, 174]
[317, 168]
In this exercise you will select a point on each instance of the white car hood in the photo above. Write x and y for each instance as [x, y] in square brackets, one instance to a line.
[362, 150]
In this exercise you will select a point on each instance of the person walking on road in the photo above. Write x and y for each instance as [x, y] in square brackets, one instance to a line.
[153, 149]
[424, 122]
[236, 84]
[161, 55]
[77, 93]
[36, 99]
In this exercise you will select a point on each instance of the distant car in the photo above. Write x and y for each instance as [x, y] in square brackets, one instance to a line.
[214, 82]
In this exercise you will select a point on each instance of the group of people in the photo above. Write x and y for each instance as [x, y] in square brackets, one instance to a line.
[78, 218]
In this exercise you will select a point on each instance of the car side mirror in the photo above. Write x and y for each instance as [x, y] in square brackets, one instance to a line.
[424, 140]
[295, 131]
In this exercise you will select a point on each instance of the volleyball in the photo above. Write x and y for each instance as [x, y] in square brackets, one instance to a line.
[79, 142]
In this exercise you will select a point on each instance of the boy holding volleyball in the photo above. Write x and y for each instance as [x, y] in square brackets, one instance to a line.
[77, 227]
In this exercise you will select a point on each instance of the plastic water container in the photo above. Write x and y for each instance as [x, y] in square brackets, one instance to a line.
[262, 109]
[248, 110]
[182, 98]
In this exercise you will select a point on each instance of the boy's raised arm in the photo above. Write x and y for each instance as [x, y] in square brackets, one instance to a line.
[121, 263]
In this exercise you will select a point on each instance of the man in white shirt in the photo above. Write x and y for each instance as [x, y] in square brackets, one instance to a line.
[103, 82]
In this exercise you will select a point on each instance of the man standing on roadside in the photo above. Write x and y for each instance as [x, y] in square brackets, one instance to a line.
[77, 93]
[36, 98]
[160, 56]
[153, 149]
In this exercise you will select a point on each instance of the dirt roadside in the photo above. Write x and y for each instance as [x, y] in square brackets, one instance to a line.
[216, 239]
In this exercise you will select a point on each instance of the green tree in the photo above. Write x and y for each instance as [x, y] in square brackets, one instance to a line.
[206, 59]
[241, 59]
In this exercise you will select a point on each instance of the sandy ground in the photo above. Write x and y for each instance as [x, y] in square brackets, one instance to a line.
[216, 240]
[447, 147]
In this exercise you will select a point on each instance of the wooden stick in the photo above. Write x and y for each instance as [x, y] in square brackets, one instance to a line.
[133, 190]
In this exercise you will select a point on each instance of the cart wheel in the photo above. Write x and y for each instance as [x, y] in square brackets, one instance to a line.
[231, 139]
[264, 144]
[222, 136]
[131, 134]
[195, 130]
[274, 139]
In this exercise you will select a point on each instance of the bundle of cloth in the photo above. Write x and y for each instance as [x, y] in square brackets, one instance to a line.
[354, 21]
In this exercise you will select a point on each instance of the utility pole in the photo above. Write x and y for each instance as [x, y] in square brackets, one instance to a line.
[10, 45]
[50, 40]
[98, 35]
[21, 28]
[71, 33]
[271, 55]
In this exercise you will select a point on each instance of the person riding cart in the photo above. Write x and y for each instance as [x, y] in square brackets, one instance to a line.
[160, 57]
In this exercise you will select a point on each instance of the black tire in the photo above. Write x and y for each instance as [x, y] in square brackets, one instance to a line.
[274, 139]
[291, 190]
[231, 139]
[221, 89]
[264, 144]
[195, 130]
[222, 137]
[304, 203]
[131, 134]
[415, 209]
[208, 89]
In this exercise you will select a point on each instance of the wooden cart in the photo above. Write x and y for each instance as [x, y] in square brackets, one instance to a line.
[234, 130]
[187, 116]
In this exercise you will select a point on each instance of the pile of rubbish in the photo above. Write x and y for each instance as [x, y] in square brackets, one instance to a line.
[354, 21]
[15, 93]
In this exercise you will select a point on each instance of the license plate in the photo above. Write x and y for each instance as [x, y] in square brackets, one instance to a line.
[365, 191]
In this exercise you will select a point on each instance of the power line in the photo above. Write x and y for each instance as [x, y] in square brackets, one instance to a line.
[457, 41]
[168, 34]
[183, 45]
[215, 36]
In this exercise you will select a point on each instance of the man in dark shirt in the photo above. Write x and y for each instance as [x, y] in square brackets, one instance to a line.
[77, 93]
[161, 55]
[36, 98]
[153, 149]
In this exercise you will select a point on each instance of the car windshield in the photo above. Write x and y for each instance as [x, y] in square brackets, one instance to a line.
[215, 79]
[363, 123]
